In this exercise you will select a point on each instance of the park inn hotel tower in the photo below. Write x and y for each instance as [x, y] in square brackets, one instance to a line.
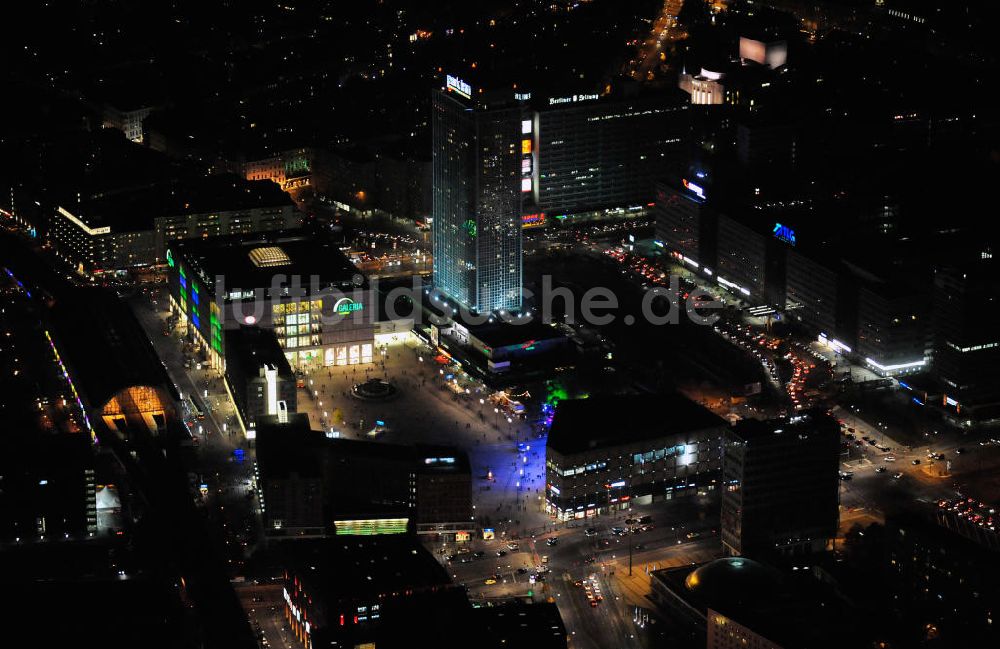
[482, 163]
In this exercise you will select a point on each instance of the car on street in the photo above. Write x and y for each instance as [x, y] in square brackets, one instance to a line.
[501, 553]
[551, 541]
[590, 531]
[915, 462]
[897, 475]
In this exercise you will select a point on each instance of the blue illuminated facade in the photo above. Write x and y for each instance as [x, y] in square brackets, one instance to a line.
[477, 190]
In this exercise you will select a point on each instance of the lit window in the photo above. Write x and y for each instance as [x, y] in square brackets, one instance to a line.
[525, 146]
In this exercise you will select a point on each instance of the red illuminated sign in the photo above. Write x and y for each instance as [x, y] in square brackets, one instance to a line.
[533, 220]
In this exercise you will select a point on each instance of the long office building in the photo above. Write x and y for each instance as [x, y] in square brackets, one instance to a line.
[134, 227]
[966, 316]
[604, 453]
[685, 222]
[859, 304]
[811, 292]
[481, 169]
[595, 152]
[780, 485]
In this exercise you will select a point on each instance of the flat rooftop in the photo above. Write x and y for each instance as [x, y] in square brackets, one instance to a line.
[294, 447]
[135, 208]
[360, 568]
[284, 449]
[251, 261]
[605, 421]
[502, 334]
[249, 348]
[806, 423]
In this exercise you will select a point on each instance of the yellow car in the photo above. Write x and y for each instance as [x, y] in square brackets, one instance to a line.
[491, 581]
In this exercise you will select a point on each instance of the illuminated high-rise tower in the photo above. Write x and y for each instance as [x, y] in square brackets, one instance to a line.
[479, 156]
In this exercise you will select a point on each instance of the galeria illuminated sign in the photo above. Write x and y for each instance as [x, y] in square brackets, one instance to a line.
[784, 233]
[346, 305]
[459, 86]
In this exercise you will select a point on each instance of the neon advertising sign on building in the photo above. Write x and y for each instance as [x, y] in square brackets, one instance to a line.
[533, 220]
[784, 233]
[695, 189]
[346, 305]
[458, 86]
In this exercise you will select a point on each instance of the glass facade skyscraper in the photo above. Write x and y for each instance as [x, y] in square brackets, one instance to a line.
[477, 195]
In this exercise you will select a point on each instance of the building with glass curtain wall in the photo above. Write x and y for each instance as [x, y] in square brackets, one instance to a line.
[605, 453]
[478, 184]
[305, 289]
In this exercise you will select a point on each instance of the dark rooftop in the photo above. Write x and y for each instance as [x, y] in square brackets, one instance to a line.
[292, 253]
[353, 568]
[135, 207]
[806, 423]
[283, 449]
[500, 334]
[517, 624]
[104, 347]
[295, 447]
[600, 422]
[792, 609]
[733, 583]
[249, 348]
